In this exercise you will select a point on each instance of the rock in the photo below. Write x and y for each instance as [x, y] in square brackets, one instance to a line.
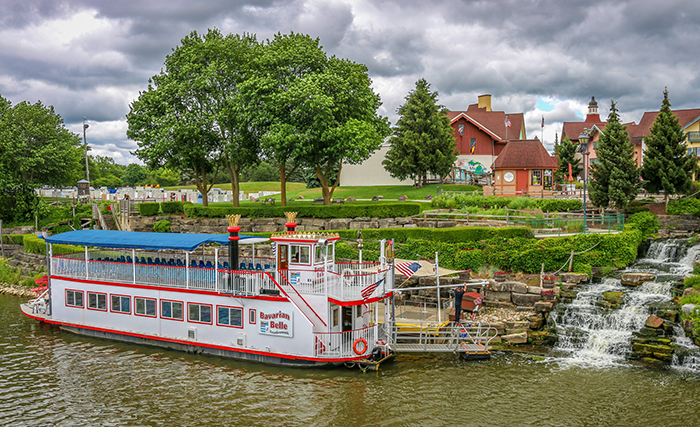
[688, 308]
[573, 277]
[520, 287]
[525, 299]
[495, 340]
[614, 298]
[688, 325]
[636, 279]
[520, 338]
[516, 324]
[544, 306]
[690, 291]
[500, 286]
[534, 290]
[536, 323]
[654, 322]
[497, 296]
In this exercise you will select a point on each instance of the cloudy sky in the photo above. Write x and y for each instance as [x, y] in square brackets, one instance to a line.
[543, 58]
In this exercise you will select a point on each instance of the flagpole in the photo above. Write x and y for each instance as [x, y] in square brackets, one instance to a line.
[437, 280]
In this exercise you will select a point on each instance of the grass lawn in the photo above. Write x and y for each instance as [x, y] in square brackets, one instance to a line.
[390, 192]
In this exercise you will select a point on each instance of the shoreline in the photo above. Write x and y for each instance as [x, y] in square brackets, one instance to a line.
[16, 290]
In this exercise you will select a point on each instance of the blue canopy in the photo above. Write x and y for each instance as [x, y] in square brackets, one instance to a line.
[143, 240]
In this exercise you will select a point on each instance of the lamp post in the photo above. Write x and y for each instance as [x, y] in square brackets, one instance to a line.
[87, 168]
[583, 140]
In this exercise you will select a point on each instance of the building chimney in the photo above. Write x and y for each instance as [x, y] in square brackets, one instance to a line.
[485, 102]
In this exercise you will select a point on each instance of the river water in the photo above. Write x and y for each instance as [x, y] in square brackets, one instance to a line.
[54, 378]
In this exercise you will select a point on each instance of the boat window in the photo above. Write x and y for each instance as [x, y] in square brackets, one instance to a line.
[301, 254]
[120, 304]
[251, 316]
[336, 319]
[199, 313]
[145, 307]
[320, 254]
[97, 301]
[74, 298]
[171, 310]
[229, 316]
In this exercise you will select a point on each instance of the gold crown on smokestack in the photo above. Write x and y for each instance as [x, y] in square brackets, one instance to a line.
[291, 216]
[233, 220]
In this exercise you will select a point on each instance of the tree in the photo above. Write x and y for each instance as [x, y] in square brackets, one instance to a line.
[188, 118]
[615, 175]
[35, 150]
[567, 156]
[135, 175]
[163, 177]
[423, 141]
[312, 110]
[105, 172]
[667, 166]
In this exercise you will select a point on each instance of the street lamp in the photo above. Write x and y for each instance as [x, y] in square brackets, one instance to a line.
[583, 140]
[87, 168]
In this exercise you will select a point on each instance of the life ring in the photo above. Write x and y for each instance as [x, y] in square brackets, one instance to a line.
[364, 348]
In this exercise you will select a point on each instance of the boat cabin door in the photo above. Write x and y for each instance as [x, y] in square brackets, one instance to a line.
[283, 257]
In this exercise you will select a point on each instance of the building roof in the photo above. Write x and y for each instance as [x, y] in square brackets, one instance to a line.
[572, 130]
[492, 122]
[685, 118]
[525, 154]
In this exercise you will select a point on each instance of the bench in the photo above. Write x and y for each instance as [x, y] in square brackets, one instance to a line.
[319, 201]
[269, 200]
[338, 201]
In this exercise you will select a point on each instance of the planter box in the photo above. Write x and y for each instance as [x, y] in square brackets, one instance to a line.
[499, 277]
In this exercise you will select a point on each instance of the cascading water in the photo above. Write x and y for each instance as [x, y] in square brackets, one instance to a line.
[590, 333]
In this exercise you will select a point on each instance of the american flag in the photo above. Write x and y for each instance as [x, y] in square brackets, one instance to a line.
[542, 121]
[507, 122]
[408, 268]
[369, 290]
[478, 300]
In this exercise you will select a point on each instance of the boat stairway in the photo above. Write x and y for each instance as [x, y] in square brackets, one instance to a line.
[470, 338]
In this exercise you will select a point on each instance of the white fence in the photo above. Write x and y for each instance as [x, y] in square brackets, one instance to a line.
[345, 344]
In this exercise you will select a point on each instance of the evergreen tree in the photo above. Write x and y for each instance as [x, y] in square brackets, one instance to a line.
[615, 175]
[667, 166]
[556, 143]
[423, 141]
[567, 155]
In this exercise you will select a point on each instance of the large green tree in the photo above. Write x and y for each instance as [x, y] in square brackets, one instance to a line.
[189, 118]
[135, 175]
[423, 141]
[312, 110]
[567, 156]
[614, 177]
[667, 166]
[36, 149]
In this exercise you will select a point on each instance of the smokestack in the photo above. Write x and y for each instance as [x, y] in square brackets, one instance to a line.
[233, 239]
[291, 225]
[485, 102]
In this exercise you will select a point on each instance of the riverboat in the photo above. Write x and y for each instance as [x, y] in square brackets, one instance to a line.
[292, 306]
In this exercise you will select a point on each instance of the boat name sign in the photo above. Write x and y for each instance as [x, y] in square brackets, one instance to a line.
[279, 324]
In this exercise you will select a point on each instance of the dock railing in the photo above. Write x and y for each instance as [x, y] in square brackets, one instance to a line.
[427, 337]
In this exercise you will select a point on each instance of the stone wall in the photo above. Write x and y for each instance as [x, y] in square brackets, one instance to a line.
[675, 225]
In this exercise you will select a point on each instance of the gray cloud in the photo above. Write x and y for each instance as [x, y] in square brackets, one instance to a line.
[91, 57]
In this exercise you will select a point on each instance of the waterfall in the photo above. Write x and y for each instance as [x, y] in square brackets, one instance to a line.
[591, 334]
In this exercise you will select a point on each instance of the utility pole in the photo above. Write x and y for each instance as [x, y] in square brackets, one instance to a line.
[87, 168]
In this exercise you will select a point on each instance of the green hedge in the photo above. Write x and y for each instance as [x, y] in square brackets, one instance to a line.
[148, 209]
[452, 235]
[173, 207]
[36, 245]
[687, 205]
[456, 201]
[13, 239]
[388, 210]
[559, 205]
[646, 222]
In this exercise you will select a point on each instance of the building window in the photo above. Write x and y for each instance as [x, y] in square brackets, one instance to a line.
[593, 161]
[120, 304]
[199, 313]
[595, 145]
[229, 316]
[145, 307]
[536, 177]
[251, 316]
[171, 310]
[97, 301]
[74, 298]
[301, 254]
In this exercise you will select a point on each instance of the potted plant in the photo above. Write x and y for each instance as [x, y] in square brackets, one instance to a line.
[499, 276]
[465, 275]
[548, 295]
[548, 281]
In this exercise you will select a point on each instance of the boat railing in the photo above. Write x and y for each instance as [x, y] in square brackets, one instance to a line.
[345, 286]
[436, 337]
[359, 267]
[355, 343]
[39, 304]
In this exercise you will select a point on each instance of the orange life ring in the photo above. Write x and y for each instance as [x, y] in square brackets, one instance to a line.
[364, 343]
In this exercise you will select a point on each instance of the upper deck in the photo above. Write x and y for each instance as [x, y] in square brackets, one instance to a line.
[301, 263]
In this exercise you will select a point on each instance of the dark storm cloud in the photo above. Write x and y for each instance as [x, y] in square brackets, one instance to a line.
[517, 50]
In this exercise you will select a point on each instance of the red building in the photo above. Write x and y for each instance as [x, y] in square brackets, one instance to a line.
[523, 167]
[481, 134]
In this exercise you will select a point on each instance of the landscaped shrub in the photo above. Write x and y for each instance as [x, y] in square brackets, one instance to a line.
[13, 239]
[388, 210]
[646, 222]
[456, 201]
[36, 245]
[689, 205]
[148, 209]
[559, 205]
[162, 226]
[173, 207]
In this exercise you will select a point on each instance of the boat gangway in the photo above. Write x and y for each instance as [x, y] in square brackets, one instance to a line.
[470, 339]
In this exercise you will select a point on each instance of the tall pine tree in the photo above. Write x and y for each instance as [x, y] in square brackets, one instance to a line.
[567, 155]
[423, 141]
[614, 177]
[667, 166]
